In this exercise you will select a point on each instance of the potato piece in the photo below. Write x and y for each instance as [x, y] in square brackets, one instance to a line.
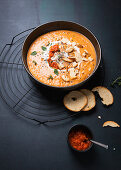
[111, 123]
[105, 94]
[75, 101]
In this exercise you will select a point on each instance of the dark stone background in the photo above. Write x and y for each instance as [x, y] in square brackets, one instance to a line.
[24, 146]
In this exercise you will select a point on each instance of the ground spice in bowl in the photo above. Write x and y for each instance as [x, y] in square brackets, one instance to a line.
[79, 138]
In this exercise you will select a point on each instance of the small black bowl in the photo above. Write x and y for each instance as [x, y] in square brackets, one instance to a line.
[86, 130]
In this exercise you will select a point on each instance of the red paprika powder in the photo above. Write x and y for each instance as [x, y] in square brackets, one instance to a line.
[79, 140]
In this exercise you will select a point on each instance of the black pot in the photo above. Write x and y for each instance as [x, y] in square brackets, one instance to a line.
[60, 25]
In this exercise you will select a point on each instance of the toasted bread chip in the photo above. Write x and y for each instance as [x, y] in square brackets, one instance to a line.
[72, 57]
[67, 59]
[61, 66]
[79, 45]
[86, 51]
[64, 40]
[75, 101]
[78, 65]
[74, 43]
[65, 78]
[84, 54]
[90, 59]
[91, 99]
[84, 59]
[105, 94]
[69, 49]
[111, 123]
[73, 73]
[74, 64]
[78, 57]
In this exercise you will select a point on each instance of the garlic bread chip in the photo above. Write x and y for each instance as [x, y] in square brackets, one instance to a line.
[111, 123]
[75, 101]
[105, 94]
[91, 99]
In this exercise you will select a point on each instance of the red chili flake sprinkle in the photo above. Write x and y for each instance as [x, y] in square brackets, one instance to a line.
[79, 140]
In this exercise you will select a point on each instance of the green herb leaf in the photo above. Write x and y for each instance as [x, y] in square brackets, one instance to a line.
[35, 62]
[56, 71]
[50, 77]
[44, 48]
[34, 53]
[116, 81]
[59, 56]
[49, 44]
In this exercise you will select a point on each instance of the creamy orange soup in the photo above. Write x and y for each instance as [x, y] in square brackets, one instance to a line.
[61, 58]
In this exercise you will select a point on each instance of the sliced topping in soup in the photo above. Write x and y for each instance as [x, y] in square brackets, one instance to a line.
[61, 58]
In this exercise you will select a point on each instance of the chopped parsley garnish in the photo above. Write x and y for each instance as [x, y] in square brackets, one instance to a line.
[50, 77]
[56, 71]
[34, 53]
[59, 56]
[44, 48]
[49, 44]
[116, 81]
[35, 62]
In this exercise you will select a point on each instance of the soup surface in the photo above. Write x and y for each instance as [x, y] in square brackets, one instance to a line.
[61, 58]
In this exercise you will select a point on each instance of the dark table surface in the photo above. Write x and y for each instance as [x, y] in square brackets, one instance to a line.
[24, 146]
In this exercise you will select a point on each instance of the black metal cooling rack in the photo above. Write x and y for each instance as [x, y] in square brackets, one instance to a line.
[28, 100]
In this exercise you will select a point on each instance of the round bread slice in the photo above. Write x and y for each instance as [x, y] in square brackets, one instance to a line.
[75, 101]
[105, 94]
[111, 123]
[91, 99]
